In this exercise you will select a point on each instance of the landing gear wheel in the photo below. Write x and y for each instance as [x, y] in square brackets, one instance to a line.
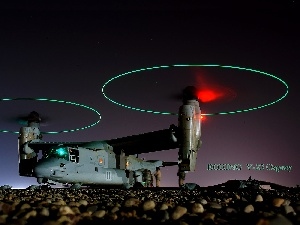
[42, 180]
[138, 185]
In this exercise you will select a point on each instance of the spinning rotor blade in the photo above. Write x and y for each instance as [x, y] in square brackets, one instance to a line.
[31, 117]
[205, 92]
[190, 92]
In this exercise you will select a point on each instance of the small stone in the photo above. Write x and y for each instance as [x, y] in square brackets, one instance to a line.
[259, 198]
[65, 210]
[114, 209]
[209, 216]
[244, 199]
[59, 202]
[230, 210]
[178, 212]
[164, 206]
[25, 206]
[131, 202]
[203, 201]
[289, 209]
[92, 208]
[44, 212]
[249, 209]
[227, 200]
[286, 202]
[99, 214]
[74, 204]
[148, 205]
[112, 216]
[83, 202]
[76, 210]
[64, 220]
[31, 213]
[43, 203]
[277, 202]
[197, 208]
[86, 214]
[128, 214]
[215, 205]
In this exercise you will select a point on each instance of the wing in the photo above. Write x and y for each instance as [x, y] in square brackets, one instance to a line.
[47, 145]
[130, 145]
[144, 143]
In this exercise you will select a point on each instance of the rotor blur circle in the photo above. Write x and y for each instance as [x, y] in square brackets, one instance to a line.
[197, 65]
[57, 101]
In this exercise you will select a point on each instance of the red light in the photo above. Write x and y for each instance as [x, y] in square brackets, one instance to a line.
[209, 95]
[210, 90]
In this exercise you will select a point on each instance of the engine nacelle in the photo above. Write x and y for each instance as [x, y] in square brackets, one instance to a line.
[27, 156]
[189, 127]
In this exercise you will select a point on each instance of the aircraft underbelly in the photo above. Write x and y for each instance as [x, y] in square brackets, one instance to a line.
[103, 177]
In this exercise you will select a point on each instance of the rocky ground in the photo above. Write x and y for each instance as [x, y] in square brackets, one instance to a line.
[156, 206]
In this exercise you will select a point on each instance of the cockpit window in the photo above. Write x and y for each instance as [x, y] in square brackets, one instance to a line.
[58, 152]
[61, 152]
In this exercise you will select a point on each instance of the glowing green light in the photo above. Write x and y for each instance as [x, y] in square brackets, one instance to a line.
[198, 65]
[56, 101]
[61, 151]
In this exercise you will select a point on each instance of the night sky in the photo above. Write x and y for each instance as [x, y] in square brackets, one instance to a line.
[67, 52]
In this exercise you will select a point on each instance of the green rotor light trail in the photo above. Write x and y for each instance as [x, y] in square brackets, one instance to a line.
[204, 65]
[56, 101]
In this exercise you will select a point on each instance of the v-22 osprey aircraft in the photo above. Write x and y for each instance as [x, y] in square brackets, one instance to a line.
[111, 162]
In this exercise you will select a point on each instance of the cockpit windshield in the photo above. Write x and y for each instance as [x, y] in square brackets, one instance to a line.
[58, 152]
[62, 152]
